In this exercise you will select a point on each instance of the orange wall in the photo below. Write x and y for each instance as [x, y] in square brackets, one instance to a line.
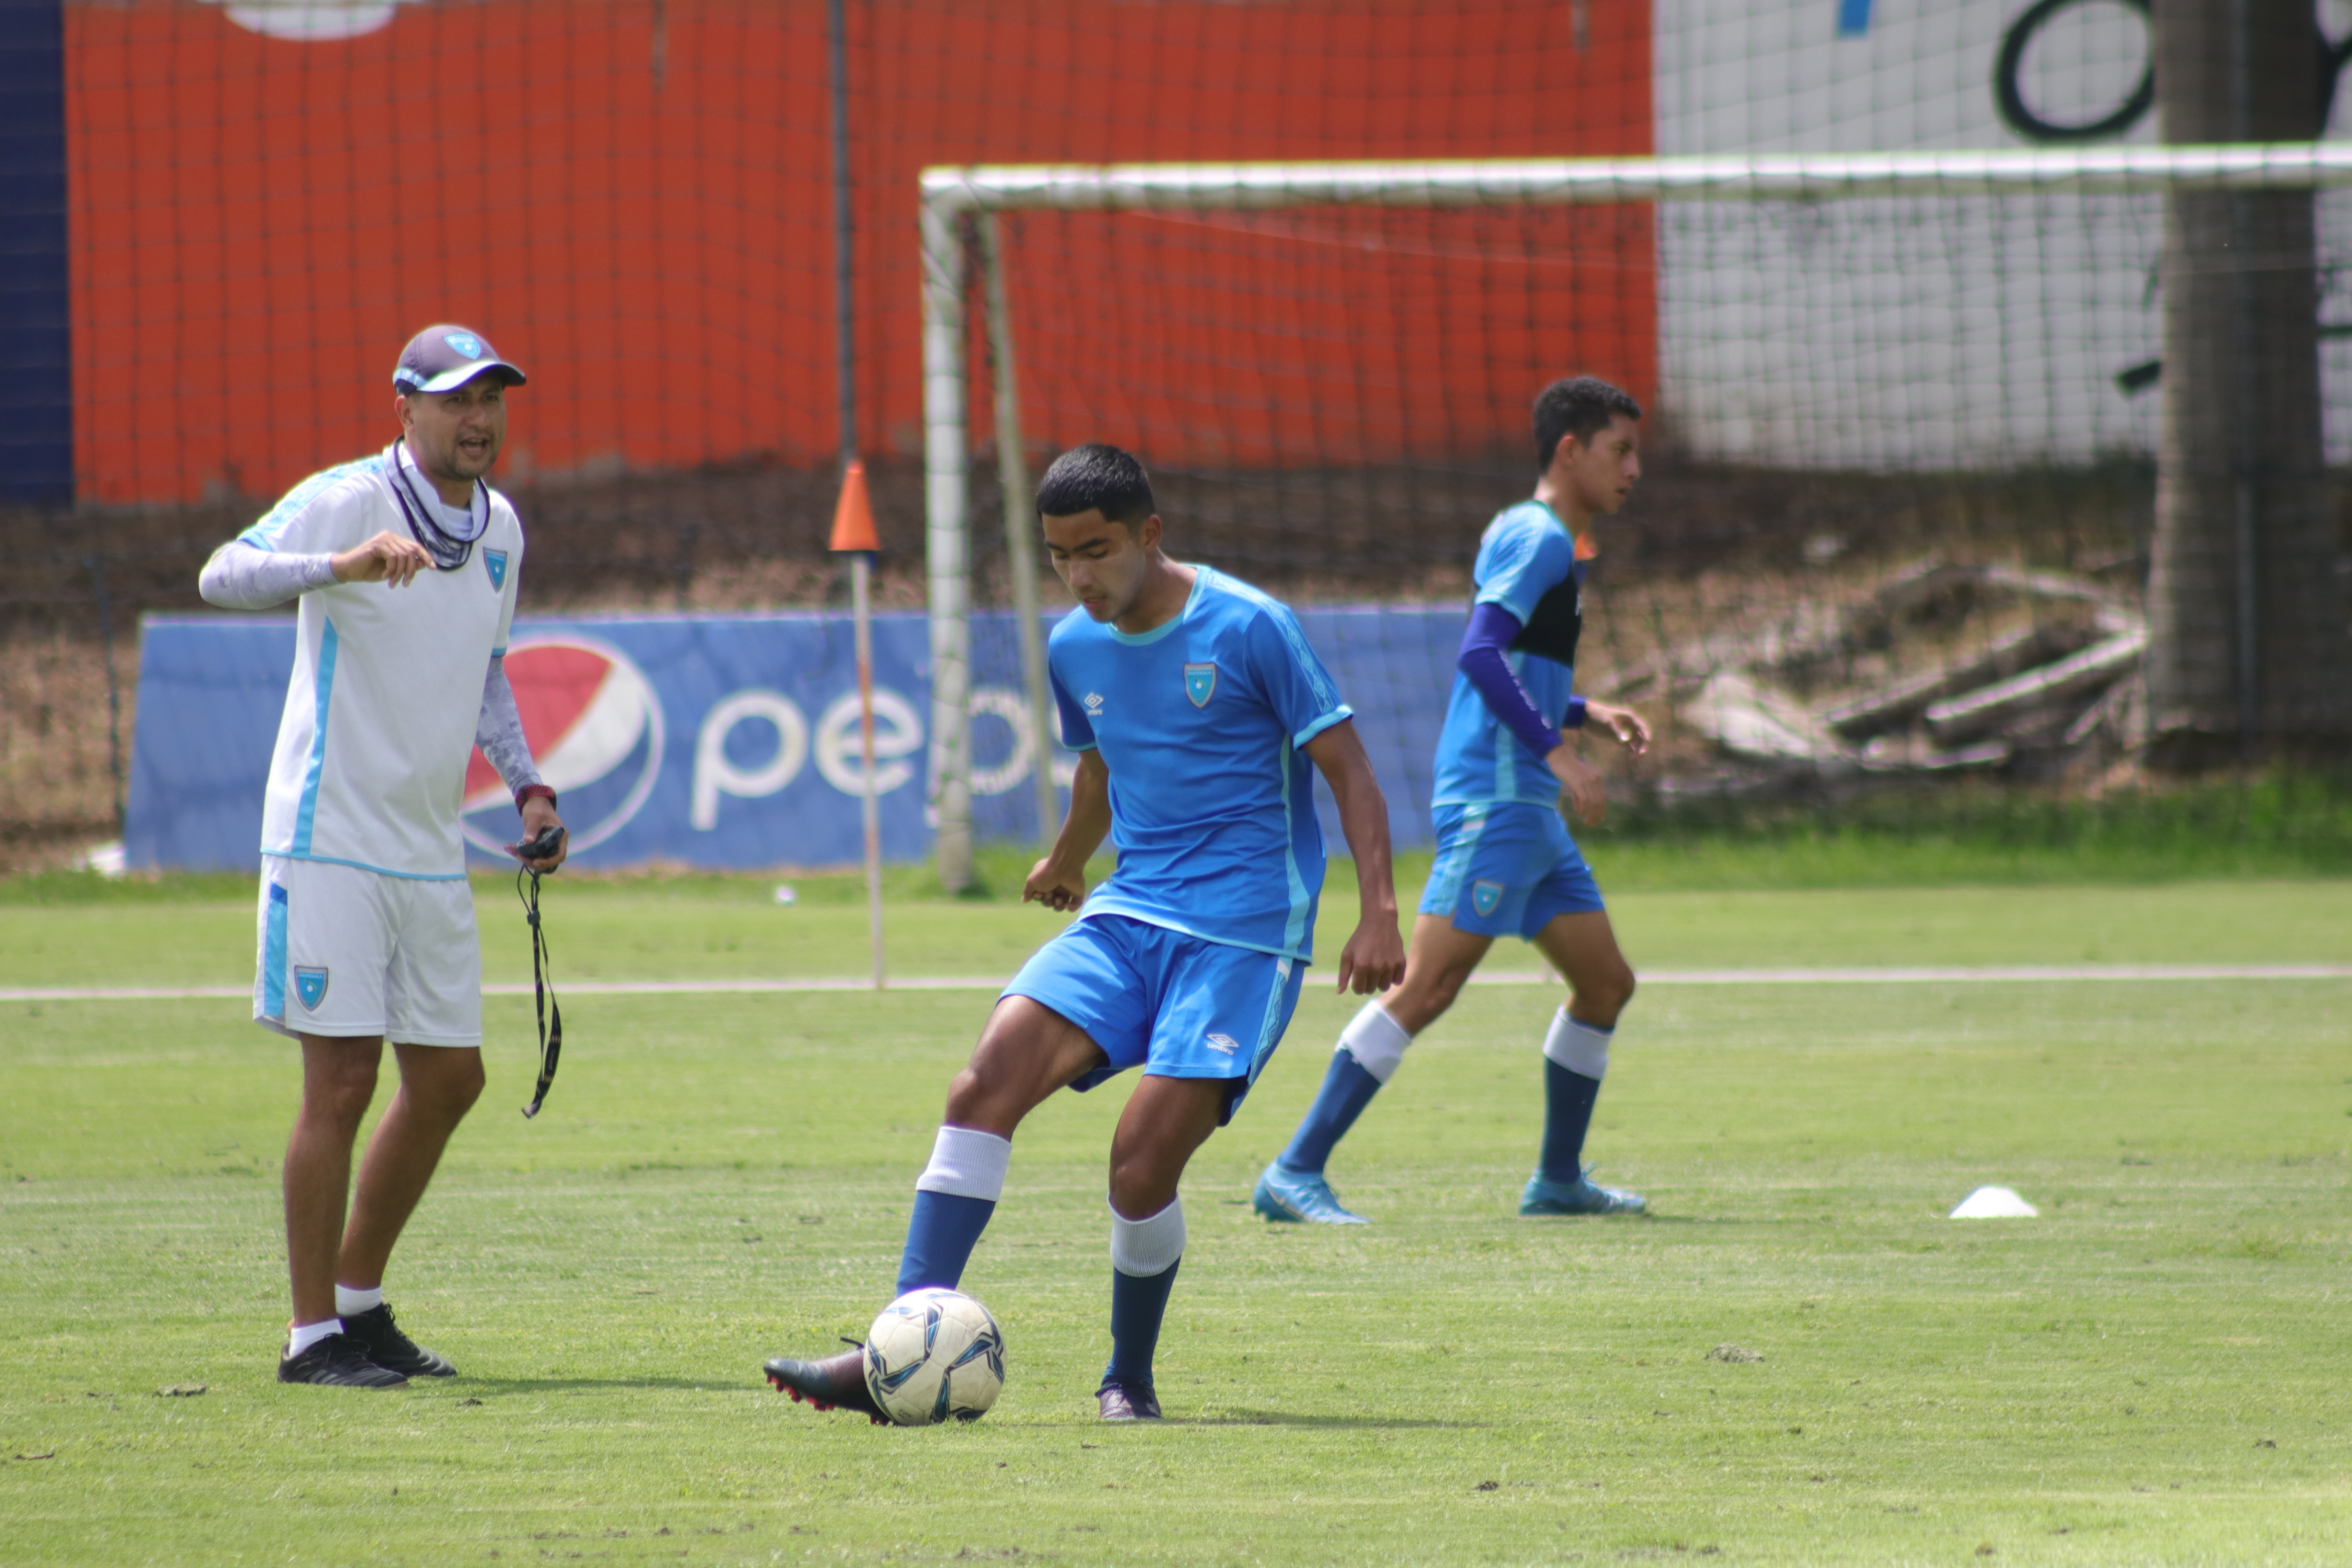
[633, 200]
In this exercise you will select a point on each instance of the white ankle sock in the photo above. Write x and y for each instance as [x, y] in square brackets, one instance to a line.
[305, 1335]
[351, 1303]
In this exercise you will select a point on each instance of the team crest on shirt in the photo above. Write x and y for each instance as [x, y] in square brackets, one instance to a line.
[311, 986]
[495, 563]
[1200, 683]
[1485, 896]
[1223, 1043]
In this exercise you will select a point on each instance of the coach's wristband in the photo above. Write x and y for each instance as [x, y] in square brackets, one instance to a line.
[534, 791]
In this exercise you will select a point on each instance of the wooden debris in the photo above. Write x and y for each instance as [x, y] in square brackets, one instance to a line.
[2094, 668]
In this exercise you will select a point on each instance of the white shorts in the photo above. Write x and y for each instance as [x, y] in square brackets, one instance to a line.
[356, 952]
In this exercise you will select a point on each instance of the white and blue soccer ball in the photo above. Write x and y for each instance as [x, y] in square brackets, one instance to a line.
[934, 1355]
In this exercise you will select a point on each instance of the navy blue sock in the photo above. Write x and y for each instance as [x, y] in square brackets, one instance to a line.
[1568, 1112]
[1138, 1304]
[941, 1234]
[1347, 1089]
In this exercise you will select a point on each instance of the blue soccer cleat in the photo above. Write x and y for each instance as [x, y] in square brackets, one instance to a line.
[1543, 1197]
[1294, 1195]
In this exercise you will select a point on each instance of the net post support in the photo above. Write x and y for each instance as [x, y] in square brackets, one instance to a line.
[947, 542]
[862, 610]
[1020, 524]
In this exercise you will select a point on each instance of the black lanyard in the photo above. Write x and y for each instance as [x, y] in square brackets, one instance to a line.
[449, 551]
[551, 1014]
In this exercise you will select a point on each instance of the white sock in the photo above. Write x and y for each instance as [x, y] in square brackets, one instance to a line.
[967, 1163]
[1578, 1047]
[1143, 1247]
[351, 1303]
[1376, 1040]
[305, 1335]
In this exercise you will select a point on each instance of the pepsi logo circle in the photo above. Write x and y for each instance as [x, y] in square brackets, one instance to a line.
[595, 730]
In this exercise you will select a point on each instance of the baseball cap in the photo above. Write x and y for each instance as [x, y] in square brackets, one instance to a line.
[443, 357]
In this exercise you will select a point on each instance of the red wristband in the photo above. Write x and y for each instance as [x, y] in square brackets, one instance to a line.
[534, 792]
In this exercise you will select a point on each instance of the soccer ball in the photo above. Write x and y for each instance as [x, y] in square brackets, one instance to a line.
[934, 1355]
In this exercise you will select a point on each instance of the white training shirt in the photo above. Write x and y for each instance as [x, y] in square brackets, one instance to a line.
[387, 688]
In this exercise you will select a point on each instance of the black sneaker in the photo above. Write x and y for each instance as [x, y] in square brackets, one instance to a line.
[1125, 1402]
[832, 1383]
[390, 1349]
[338, 1360]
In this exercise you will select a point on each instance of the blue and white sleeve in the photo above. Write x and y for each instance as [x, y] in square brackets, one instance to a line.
[1527, 564]
[1291, 678]
[1485, 661]
[243, 576]
[1076, 733]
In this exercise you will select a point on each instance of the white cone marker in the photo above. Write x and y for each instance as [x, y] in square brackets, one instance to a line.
[1994, 1203]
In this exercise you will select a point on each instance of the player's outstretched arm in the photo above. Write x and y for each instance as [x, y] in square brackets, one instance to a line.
[1633, 731]
[1059, 880]
[240, 576]
[1373, 959]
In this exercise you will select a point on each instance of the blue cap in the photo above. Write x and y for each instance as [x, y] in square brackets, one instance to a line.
[443, 358]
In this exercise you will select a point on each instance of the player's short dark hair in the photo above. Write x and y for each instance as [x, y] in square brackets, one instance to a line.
[1578, 405]
[1096, 478]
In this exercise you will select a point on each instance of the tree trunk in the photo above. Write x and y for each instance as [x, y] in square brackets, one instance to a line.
[2248, 654]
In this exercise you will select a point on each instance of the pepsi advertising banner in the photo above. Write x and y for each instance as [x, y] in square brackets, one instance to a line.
[719, 742]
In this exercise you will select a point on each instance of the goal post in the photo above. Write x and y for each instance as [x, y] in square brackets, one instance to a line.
[951, 246]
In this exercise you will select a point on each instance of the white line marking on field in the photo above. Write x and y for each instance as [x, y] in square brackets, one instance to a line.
[1980, 974]
[1996, 974]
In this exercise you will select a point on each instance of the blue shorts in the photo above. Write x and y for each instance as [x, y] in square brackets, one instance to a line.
[1174, 1005]
[1506, 870]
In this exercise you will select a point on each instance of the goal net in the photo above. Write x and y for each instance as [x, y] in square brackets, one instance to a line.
[1900, 451]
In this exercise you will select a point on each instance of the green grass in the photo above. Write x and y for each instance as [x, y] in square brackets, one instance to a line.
[731, 928]
[716, 1179]
[2279, 827]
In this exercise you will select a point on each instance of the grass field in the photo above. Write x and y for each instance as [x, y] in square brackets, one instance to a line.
[2153, 1371]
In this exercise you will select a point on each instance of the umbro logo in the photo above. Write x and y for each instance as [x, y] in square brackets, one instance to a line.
[1094, 703]
[1224, 1043]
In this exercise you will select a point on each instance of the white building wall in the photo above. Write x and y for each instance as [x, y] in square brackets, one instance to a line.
[1914, 335]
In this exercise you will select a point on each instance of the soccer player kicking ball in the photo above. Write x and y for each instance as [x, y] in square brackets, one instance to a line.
[1505, 864]
[405, 565]
[1195, 705]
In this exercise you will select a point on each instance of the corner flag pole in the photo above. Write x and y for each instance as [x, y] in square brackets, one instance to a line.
[853, 516]
[853, 532]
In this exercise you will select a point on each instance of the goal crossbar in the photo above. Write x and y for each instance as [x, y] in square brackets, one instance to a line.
[1440, 183]
[953, 200]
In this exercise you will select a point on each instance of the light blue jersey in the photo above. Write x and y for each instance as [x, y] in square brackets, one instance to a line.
[1527, 553]
[1202, 723]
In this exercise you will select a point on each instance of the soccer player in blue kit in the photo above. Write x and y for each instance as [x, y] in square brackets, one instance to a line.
[1195, 706]
[1505, 864]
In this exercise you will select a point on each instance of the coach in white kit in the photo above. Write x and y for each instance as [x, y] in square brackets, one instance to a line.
[405, 563]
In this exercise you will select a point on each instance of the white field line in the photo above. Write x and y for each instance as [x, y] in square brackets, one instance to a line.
[1995, 974]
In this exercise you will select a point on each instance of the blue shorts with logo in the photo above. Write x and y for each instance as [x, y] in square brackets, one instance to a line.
[1506, 870]
[1173, 1003]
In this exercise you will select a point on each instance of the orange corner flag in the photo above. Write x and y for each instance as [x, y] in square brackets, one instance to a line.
[852, 518]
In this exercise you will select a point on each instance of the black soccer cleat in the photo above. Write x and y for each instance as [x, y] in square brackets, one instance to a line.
[390, 1349]
[1128, 1402]
[836, 1382]
[339, 1361]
